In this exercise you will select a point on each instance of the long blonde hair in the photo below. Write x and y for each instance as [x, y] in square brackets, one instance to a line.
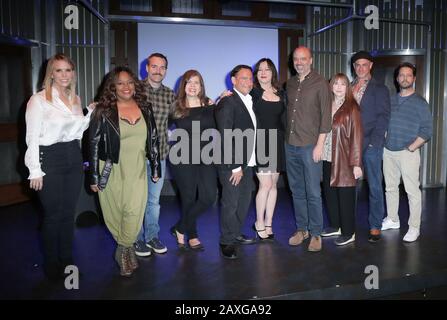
[48, 81]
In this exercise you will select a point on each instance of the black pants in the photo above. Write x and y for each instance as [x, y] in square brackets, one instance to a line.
[62, 164]
[340, 203]
[197, 186]
[234, 204]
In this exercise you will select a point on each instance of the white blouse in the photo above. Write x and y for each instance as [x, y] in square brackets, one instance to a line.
[49, 123]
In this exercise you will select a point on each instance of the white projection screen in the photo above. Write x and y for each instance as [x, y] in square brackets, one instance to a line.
[212, 50]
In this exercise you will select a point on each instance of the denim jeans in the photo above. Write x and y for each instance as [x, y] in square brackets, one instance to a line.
[372, 161]
[150, 227]
[304, 177]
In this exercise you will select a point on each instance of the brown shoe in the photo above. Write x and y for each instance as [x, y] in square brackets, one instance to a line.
[124, 262]
[374, 235]
[133, 258]
[298, 237]
[315, 244]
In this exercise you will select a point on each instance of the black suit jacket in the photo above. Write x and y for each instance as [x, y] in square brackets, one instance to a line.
[232, 114]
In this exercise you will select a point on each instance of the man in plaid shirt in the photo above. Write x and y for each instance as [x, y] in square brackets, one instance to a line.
[161, 98]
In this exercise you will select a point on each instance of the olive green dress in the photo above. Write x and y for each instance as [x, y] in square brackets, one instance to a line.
[123, 201]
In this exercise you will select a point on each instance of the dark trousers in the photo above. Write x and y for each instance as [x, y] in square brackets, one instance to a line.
[62, 164]
[234, 204]
[197, 186]
[340, 203]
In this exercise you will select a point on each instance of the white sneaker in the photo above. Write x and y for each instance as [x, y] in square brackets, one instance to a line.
[390, 224]
[412, 234]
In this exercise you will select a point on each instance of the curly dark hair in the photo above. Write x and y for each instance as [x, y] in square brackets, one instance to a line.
[108, 99]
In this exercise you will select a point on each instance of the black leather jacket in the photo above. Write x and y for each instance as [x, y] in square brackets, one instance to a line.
[104, 138]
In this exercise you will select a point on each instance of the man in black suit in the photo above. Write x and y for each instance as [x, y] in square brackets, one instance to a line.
[236, 123]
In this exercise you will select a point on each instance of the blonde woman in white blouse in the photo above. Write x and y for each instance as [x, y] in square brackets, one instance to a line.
[54, 127]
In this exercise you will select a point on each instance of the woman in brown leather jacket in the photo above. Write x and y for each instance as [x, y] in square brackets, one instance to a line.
[122, 136]
[342, 161]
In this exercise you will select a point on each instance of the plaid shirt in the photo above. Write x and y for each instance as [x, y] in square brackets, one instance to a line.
[161, 100]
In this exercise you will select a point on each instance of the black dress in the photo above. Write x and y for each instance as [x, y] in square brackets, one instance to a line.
[270, 115]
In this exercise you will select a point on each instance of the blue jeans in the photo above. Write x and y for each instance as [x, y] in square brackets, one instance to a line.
[372, 161]
[150, 227]
[304, 177]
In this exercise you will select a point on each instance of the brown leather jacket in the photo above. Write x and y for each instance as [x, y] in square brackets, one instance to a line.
[347, 137]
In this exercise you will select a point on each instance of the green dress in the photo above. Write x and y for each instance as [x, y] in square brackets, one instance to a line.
[123, 201]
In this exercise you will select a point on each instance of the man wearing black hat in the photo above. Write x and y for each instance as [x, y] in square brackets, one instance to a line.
[374, 102]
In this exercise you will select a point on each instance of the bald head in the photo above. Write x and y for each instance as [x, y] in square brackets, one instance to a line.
[302, 60]
[303, 49]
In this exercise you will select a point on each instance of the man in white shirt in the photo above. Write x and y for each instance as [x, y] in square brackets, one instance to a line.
[236, 123]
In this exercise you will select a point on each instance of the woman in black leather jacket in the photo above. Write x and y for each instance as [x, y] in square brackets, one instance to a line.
[123, 135]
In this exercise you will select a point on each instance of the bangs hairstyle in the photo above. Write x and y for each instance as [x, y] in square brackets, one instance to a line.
[181, 108]
[108, 98]
[349, 97]
[271, 66]
[48, 81]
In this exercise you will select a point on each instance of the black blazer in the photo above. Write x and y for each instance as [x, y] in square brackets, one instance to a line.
[232, 114]
[104, 138]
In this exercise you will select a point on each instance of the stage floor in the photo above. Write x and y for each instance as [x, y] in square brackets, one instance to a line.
[271, 270]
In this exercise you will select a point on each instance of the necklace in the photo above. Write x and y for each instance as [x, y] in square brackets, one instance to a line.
[339, 102]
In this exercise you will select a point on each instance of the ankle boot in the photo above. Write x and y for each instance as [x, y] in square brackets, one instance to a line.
[133, 258]
[124, 262]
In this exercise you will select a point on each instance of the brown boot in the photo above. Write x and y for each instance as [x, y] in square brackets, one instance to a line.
[133, 258]
[124, 262]
[298, 237]
[315, 244]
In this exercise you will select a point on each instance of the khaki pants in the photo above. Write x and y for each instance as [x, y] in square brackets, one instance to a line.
[405, 164]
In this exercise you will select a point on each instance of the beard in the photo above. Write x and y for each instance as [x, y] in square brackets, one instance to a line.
[405, 86]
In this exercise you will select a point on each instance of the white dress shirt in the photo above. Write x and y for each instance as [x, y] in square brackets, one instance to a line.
[48, 123]
[248, 102]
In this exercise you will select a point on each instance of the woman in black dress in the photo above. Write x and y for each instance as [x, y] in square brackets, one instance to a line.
[269, 107]
[194, 172]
